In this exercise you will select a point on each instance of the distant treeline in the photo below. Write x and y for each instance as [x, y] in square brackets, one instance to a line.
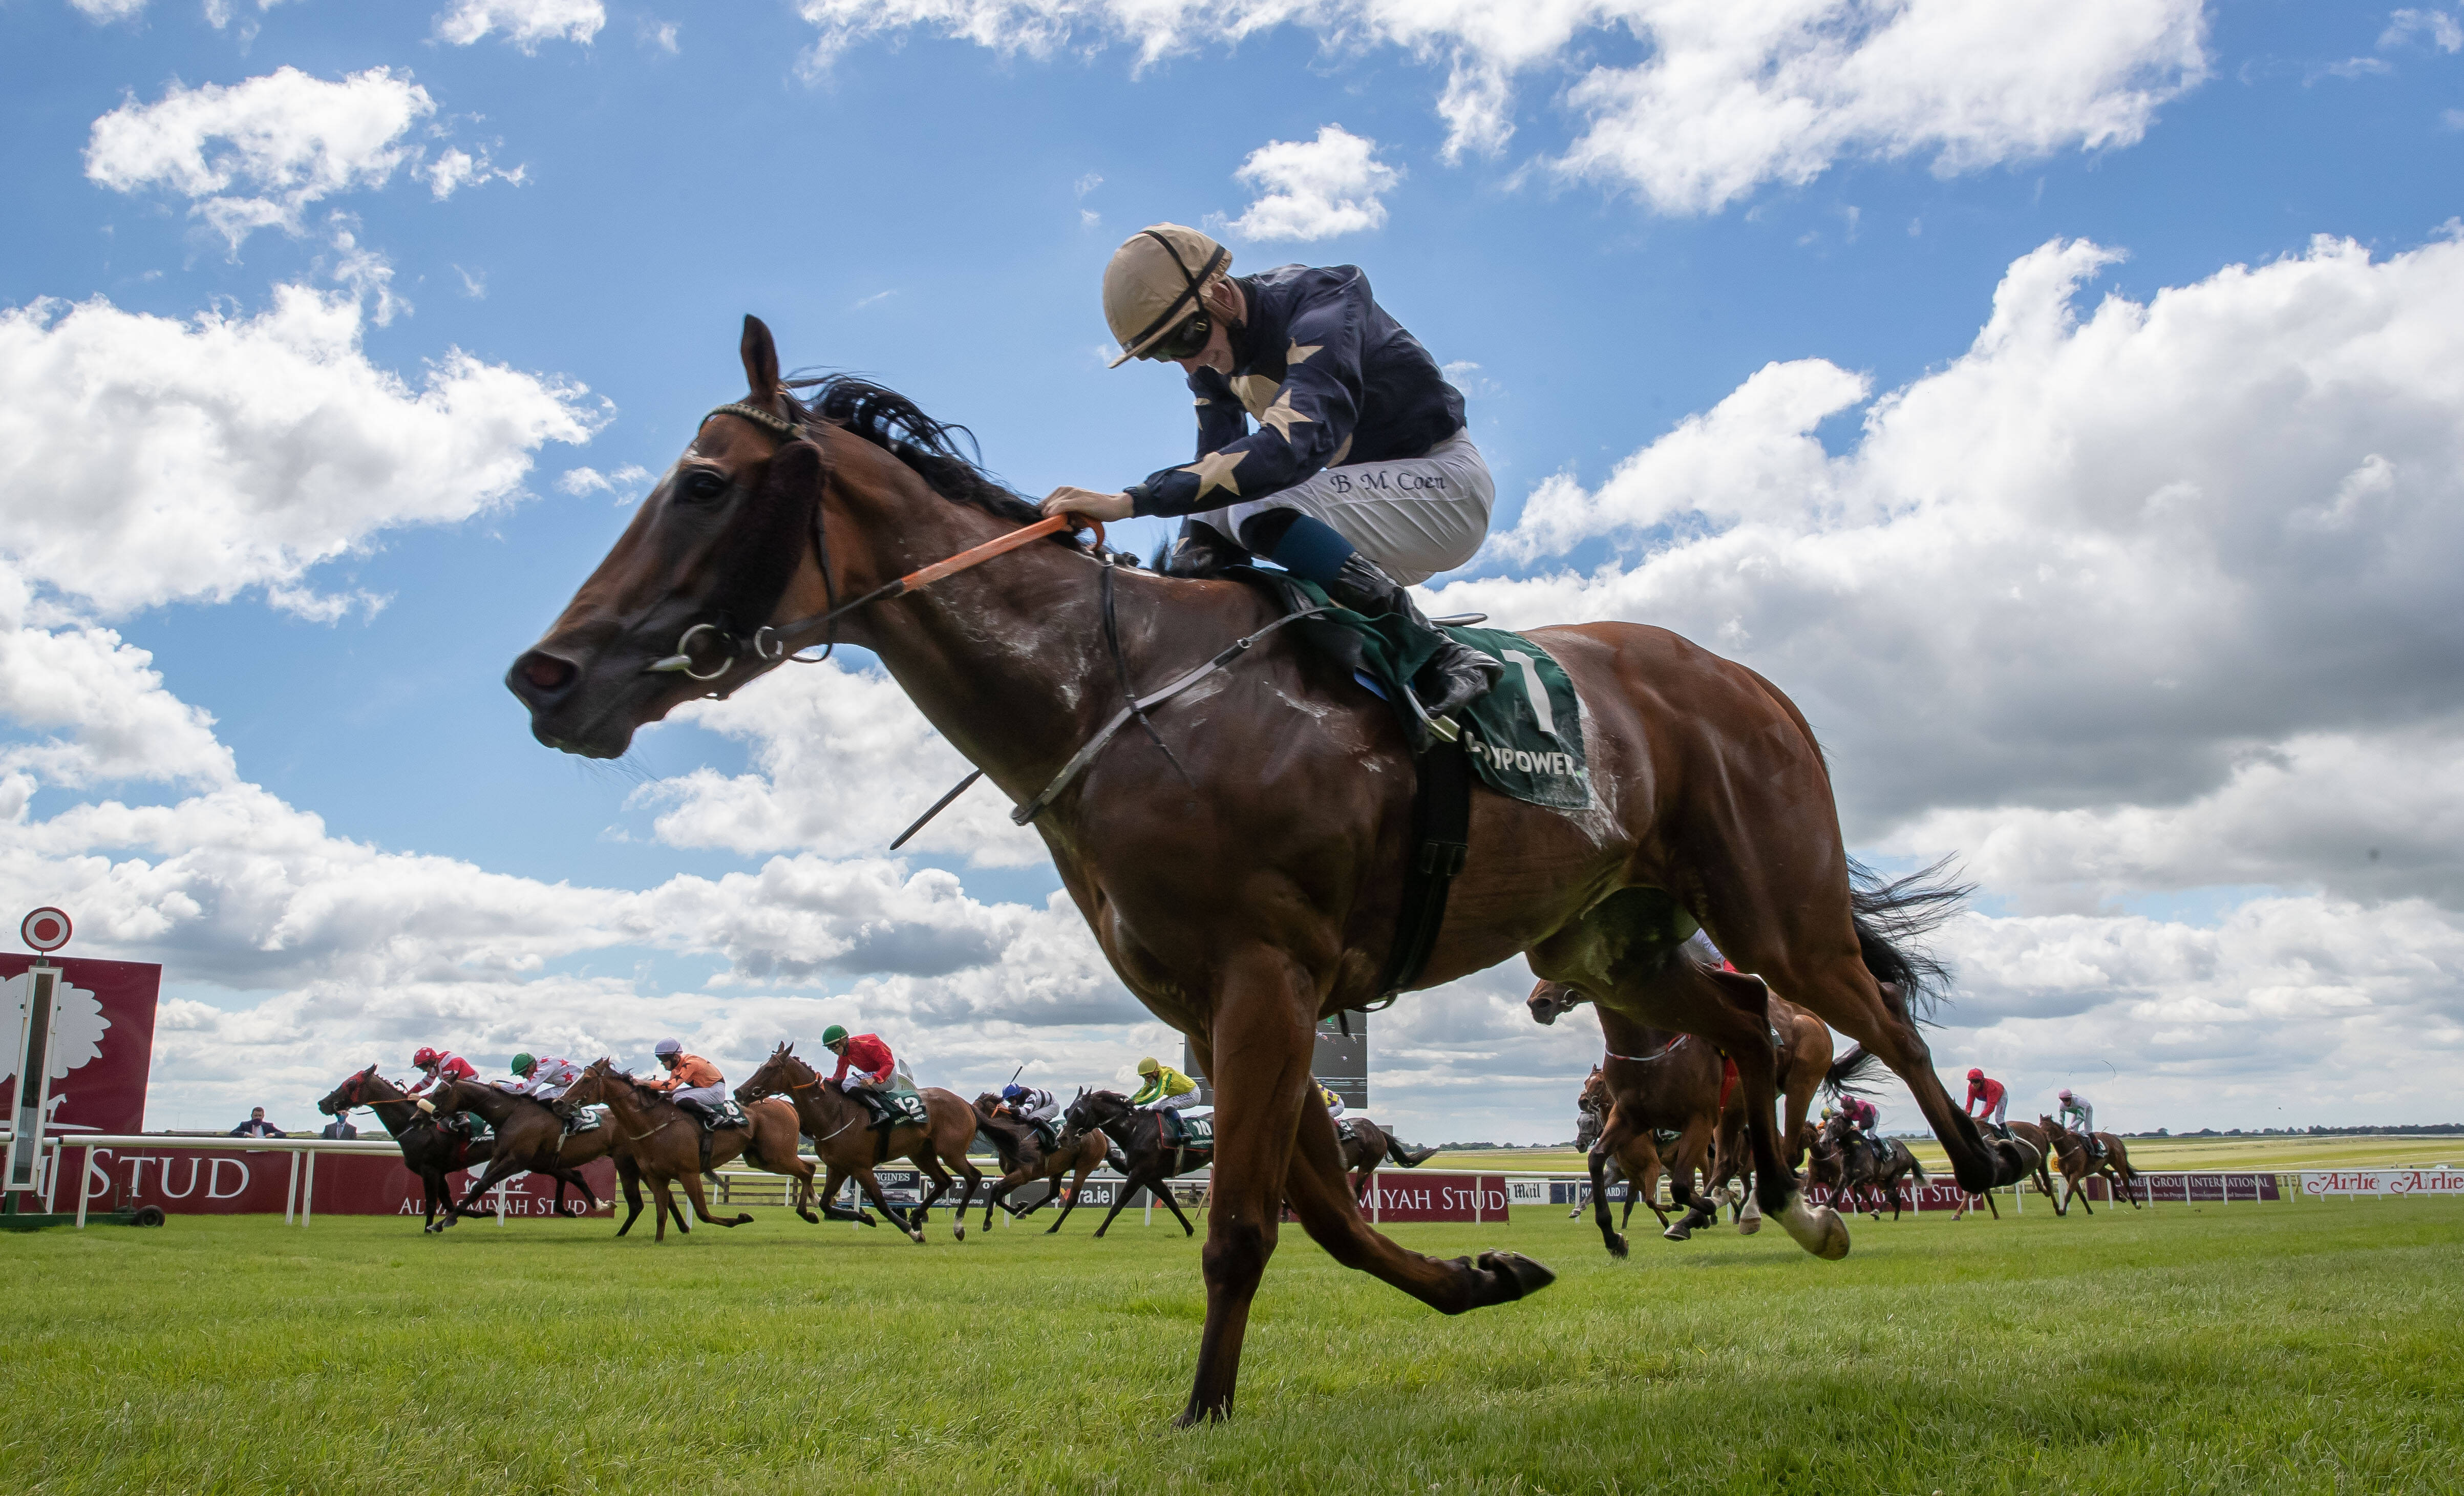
[2406, 1130]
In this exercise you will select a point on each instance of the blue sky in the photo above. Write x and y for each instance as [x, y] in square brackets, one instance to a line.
[2128, 593]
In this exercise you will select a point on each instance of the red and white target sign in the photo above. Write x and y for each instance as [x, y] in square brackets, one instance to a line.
[46, 929]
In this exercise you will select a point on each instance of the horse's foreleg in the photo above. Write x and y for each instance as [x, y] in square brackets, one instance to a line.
[871, 1188]
[1171, 1202]
[1077, 1187]
[836, 1177]
[701, 1204]
[1265, 1022]
[940, 1177]
[1692, 1146]
[1610, 1236]
[1317, 1188]
[628, 1173]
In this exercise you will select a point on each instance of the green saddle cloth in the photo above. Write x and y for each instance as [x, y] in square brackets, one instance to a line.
[1187, 1132]
[901, 1108]
[1525, 737]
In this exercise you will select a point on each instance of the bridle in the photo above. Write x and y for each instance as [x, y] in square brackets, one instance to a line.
[770, 644]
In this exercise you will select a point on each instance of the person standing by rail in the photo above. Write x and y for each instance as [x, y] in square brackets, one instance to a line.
[1359, 477]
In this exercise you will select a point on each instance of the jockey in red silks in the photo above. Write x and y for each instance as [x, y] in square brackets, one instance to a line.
[436, 1067]
[1982, 1089]
[863, 1053]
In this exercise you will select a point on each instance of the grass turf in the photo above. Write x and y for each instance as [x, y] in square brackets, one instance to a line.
[2330, 1152]
[2302, 1347]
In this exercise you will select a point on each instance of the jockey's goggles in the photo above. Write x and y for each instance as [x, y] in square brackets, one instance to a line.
[1186, 341]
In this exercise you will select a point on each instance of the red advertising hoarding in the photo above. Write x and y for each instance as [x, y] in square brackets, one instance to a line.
[1435, 1196]
[237, 1181]
[103, 1048]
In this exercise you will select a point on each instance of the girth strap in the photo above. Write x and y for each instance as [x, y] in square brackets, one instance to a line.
[1441, 842]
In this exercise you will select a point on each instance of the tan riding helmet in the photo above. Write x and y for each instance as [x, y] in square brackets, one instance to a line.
[1153, 282]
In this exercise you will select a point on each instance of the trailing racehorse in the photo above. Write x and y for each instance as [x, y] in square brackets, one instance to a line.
[2080, 1163]
[663, 1141]
[1851, 1168]
[1024, 1160]
[1366, 1145]
[531, 1138]
[1250, 883]
[1664, 1082]
[1151, 1157]
[429, 1148]
[1802, 1046]
[847, 1143]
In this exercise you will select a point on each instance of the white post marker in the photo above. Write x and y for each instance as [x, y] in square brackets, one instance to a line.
[45, 930]
[290, 1191]
[85, 1182]
[308, 1189]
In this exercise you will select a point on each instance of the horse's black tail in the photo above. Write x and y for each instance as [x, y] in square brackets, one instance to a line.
[1893, 916]
[1408, 1157]
[1850, 1073]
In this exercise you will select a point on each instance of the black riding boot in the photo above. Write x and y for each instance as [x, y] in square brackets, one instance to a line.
[1460, 674]
[1200, 550]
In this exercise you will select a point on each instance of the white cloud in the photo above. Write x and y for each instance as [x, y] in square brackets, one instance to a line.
[526, 23]
[105, 10]
[842, 762]
[455, 168]
[219, 13]
[2440, 30]
[368, 277]
[252, 154]
[578, 481]
[1316, 189]
[145, 460]
[1725, 98]
[2153, 596]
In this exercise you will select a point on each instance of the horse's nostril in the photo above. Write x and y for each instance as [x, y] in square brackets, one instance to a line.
[543, 671]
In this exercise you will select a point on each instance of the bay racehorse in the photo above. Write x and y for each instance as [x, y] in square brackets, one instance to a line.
[663, 1141]
[1851, 1168]
[1250, 883]
[847, 1143]
[1365, 1145]
[1803, 1049]
[1151, 1156]
[2082, 1163]
[2036, 1153]
[531, 1138]
[1024, 1160]
[429, 1148]
[1667, 1082]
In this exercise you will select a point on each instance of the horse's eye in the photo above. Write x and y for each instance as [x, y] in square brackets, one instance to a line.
[700, 486]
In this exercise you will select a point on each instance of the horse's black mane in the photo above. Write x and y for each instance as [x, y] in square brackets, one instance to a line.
[899, 425]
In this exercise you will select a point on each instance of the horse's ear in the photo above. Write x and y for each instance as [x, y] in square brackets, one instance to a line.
[760, 360]
[370, 1071]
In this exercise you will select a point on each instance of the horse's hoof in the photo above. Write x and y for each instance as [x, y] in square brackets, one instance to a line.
[1511, 1276]
[1816, 1229]
[810, 1218]
[1679, 1232]
[1616, 1246]
[960, 1232]
[917, 1236]
[1748, 1225]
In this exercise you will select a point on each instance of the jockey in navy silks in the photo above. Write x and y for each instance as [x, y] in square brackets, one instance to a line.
[1359, 475]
